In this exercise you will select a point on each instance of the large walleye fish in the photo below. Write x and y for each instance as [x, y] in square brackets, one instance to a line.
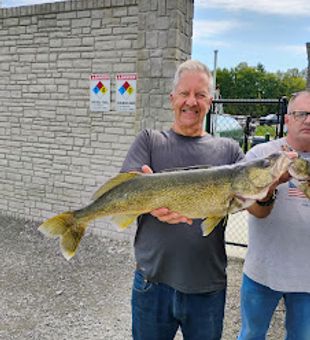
[209, 193]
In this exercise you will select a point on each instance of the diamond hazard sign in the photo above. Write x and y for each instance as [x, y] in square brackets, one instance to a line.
[99, 92]
[126, 87]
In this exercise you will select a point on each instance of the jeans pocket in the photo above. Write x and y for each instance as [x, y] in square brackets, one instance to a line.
[140, 284]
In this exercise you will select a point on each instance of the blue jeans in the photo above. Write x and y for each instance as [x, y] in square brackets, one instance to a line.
[159, 310]
[258, 303]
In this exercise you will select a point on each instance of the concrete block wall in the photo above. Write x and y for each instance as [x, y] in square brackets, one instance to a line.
[165, 32]
[55, 152]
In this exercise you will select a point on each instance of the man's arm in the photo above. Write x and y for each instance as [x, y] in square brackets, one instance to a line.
[262, 208]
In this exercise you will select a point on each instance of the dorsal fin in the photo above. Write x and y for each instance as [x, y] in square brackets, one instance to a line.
[193, 167]
[114, 182]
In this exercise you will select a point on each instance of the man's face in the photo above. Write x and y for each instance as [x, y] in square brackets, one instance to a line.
[190, 102]
[299, 129]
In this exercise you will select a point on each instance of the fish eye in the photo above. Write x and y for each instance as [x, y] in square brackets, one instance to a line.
[266, 163]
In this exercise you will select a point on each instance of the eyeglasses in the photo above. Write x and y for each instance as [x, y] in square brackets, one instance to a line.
[300, 116]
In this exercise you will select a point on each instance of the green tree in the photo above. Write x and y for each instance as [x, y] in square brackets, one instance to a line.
[248, 82]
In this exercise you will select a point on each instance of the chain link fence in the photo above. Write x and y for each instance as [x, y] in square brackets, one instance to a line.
[250, 122]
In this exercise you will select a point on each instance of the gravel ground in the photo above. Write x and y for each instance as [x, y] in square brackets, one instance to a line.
[43, 296]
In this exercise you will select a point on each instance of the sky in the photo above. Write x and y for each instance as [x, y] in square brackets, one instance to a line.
[271, 32]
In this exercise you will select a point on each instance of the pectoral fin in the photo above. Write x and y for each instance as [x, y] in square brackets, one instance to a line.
[209, 224]
[123, 221]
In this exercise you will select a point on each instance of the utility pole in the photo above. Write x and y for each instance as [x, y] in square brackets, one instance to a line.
[308, 74]
[214, 70]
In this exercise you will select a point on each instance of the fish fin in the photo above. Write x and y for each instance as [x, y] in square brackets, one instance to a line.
[239, 203]
[114, 182]
[70, 241]
[66, 227]
[193, 167]
[123, 221]
[209, 224]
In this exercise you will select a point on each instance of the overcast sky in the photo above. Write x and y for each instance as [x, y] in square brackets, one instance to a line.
[271, 32]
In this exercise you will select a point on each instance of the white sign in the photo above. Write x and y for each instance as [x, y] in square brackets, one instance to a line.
[126, 88]
[100, 92]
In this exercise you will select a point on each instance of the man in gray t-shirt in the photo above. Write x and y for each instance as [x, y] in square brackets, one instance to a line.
[276, 264]
[180, 279]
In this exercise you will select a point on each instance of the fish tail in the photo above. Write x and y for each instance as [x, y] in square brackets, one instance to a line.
[69, 230]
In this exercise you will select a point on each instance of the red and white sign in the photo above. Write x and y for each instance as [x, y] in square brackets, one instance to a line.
[100, 92]
[126, 89]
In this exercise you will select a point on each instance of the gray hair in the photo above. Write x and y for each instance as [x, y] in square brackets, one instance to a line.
[294, 96]
[193, 65]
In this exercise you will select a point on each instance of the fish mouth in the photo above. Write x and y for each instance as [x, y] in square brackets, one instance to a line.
[299, 177]
[300, 169]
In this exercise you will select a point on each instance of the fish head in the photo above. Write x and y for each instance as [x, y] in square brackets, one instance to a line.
[300, 169]
[305, 188]
[255, 177]
[265, 171]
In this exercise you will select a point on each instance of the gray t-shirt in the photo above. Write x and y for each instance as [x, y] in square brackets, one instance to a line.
[279, 245]
[178, 255]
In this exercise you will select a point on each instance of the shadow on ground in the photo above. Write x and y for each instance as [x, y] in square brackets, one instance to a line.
[43, 296]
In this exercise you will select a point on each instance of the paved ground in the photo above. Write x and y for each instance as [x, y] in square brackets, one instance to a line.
[45, 297]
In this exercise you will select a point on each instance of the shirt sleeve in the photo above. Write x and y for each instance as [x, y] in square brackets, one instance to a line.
[250, 155]
[260, 151]
[237, 153]
[139, 153]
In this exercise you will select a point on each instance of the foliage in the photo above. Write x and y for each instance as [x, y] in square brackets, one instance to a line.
[248, 82]
[263, 130]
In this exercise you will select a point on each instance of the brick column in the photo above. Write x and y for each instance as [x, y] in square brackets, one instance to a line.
[164, 41]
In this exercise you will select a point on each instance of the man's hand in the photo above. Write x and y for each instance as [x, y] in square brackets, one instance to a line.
[164, 214]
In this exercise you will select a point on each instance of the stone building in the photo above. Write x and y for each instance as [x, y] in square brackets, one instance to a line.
[54, 151]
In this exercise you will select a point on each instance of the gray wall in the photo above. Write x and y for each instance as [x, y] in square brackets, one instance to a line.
[54, 152]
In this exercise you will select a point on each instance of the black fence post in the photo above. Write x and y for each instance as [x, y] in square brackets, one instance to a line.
[208, 121]
[247, 133]
[283, 111]
[251, 122]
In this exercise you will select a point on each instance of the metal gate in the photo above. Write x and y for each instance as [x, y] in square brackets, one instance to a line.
[244, 128]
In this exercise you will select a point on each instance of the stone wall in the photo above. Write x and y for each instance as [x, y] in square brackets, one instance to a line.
[55, 152]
